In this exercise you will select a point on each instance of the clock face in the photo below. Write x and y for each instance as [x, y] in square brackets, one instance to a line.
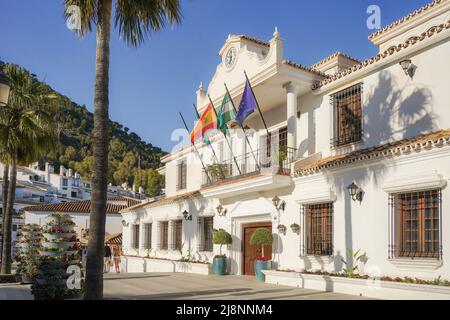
[230, 58]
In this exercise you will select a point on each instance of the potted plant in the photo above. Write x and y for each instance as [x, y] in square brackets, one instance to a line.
[262, 237]
[281, 228]
[221, 237]
[217, 171]
[26, 257]
[295, 228]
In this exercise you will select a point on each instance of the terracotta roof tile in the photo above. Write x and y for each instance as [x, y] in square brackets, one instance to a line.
[411, 41]
[331, 57]
[389, 149]
[304, 68]
[114, 239]
[408, 17]
[255, 40]
[164, 201]
[83, 206]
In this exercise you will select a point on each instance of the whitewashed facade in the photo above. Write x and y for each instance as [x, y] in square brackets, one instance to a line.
[339, 121]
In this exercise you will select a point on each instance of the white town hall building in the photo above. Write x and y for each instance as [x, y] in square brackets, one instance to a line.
[379, 127]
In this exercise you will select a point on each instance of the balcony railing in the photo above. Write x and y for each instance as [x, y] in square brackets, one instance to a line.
[249, 164]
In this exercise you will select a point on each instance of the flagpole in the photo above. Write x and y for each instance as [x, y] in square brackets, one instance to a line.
[243, 129]
[257, 105]
[226, 139]
[209, 143]
[196, 150]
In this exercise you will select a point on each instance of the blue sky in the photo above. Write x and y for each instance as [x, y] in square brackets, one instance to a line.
[149, 85]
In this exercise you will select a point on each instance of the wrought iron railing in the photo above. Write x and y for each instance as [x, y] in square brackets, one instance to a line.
[320, 248]
[249, 164]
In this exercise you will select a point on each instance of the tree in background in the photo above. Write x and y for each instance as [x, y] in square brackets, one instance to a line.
[133, 19]
[27, 132]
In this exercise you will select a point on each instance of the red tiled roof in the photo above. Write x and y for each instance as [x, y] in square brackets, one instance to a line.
[432, 31]
[114, 239]
[389, 149]
[165, 201]
[255, 40]
[79, 206]
[331, 57]
[304, 68]
[410, 16]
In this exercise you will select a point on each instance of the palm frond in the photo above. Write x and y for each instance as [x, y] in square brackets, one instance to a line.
[135, 19]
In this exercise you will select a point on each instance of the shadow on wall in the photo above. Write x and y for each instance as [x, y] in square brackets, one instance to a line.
[391, 113]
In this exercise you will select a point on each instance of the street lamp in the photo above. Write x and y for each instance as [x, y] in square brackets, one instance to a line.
[279, 204]
[355, 192]
[5, 86]
[221, 210]
[187, 216]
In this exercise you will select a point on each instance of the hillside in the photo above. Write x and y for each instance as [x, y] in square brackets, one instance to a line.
[127, 151]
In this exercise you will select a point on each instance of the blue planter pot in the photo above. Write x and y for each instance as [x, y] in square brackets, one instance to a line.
[220, 265]
[262, 265]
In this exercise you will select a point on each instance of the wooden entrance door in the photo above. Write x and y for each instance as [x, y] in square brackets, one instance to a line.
[250, 252]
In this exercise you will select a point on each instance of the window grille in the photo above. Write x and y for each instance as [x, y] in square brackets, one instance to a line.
[347, 105]
[164, 229]
[416, 224]
[320, 229]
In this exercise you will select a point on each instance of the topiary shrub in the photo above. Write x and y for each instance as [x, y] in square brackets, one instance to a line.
[222, 237]
[261, 237]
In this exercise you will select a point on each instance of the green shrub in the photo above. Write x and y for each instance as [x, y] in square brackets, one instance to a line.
[222, 237]
[261, 237]
[9, 278]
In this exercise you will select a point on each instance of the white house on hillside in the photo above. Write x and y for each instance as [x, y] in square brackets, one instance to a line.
[379, 128]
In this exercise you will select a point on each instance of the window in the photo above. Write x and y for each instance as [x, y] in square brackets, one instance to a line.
[182, 167]
[135, 236]
[417, 215]
[64, 182]
[164, 235]
[148, 236]
[348, 115]
[319, 238]
[14, 227]
[73, 194]
[208, 233]
[177, 234]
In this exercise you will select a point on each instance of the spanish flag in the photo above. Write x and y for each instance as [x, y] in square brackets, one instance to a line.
[207, 121]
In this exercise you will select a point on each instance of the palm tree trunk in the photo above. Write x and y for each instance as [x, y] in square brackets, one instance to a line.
[5, 199]
[96, 247]
[7, 227]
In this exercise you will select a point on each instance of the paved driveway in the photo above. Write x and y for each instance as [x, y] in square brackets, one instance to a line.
[198, 287]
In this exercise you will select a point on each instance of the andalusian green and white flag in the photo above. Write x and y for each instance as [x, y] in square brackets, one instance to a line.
[226, 114]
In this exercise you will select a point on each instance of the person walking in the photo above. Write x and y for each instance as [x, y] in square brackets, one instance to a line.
[107, 259]
[116, 257]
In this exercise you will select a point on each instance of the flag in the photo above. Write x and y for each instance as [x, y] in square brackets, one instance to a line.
[247, 104]
[226, 114]
[207, 121]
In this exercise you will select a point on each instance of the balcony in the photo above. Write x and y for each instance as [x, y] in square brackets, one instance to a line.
[257, 171]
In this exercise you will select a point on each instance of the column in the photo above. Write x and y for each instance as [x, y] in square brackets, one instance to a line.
[291, 100]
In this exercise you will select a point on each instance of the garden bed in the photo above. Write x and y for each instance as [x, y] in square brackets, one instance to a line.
[9, 278]
[144, 264]
[379, 289]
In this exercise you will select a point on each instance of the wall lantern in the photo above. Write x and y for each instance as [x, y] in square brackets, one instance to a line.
[355, 192]
[124, 223]
[5, 86]
[187, 216]
[406, 65]
[221, 210]
[278, 203]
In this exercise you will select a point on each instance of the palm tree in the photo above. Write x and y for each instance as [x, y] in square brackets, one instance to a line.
[134, 19]
[27, 131]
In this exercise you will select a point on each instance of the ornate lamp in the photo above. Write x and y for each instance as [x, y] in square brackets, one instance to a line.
[355, 192]
[221, 210]
[278, 203]
[187, 216]
[406, 65]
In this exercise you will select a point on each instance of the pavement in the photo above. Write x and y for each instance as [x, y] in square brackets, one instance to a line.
[185, 286]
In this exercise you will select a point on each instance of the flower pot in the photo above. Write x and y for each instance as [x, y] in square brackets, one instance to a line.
[262, 265]
[220, 265]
